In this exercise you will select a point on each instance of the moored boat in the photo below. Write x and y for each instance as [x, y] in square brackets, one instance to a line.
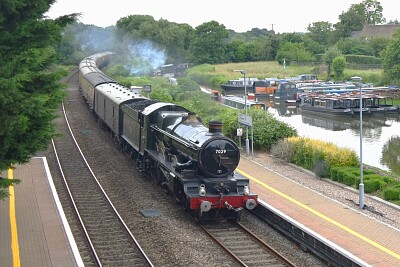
[241, 103]
[238, 85]
[380, 104]
[353, 102]
[288, 92]
[339, 104]
[324, 105]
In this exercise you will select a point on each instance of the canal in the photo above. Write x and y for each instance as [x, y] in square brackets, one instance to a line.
[380, 134]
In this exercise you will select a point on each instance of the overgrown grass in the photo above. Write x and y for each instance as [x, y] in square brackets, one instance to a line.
[260, 70]
[215, 75]
[265, 69]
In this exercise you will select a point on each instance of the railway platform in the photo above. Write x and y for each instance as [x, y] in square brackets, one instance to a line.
[373, 242]
[33, 228]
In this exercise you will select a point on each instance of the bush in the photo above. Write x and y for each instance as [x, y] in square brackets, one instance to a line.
[268, 130]
[392, 193]
[308, 152]
[373, 185]
[362, 59]
[283, 150]
[321, 169]
[346, 175]
[373, 182]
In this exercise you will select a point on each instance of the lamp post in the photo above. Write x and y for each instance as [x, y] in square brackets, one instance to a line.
[245, 108]
[361, 186]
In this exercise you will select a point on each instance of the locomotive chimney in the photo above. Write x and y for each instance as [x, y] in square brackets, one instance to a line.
[191, 117]
[215, 127]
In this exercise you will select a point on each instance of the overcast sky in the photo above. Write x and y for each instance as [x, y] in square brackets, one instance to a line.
[240, 16]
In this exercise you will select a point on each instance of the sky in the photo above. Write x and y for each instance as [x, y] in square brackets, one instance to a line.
[280, 16]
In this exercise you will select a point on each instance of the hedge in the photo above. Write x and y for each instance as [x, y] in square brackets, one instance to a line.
[392, 193]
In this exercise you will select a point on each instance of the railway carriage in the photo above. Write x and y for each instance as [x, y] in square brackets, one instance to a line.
[91, 76]
[108, 104]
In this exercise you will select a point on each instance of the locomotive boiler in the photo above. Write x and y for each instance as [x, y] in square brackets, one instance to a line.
[194, 163]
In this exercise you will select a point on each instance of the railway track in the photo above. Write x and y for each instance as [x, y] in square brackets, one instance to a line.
[243, 245]
[109, 240]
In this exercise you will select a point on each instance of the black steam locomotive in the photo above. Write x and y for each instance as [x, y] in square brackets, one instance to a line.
[192, 162]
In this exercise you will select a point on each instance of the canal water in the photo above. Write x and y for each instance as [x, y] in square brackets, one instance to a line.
[380, 134]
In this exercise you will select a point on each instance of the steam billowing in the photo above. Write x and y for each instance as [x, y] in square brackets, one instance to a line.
[144, 57]
[138, 57]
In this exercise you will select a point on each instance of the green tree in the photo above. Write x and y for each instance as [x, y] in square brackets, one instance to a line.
[233, 51]
[172, 37]
[292, 37]
[338, 66]
[30, 88]
[352, 20]
[373, 12]
[209, 43]
[329, 55]
[320, 31]
[391, 59]
[355, 46]
[378, 44]
[313, 47]
[293, 52]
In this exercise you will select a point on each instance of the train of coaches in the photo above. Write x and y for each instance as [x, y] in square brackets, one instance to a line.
[194, 163]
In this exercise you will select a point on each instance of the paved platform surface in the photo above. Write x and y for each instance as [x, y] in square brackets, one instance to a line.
[38, 234]
[375, 243]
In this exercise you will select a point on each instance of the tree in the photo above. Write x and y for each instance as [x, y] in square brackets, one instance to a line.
[352, 20]
[330, 55]
[208, 43]
[320, 31]
[355, 46]
[293, 52]
[373, 12]
[171, 37]
[378, 44]
[338, 66]
[30, 88]
[391, 59]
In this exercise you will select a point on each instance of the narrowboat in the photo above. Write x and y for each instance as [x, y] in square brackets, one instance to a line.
[238, 85]
[324, 105]
[240, 103]
[380, 104]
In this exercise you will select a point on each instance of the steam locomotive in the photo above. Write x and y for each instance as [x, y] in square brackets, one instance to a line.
[193, 163]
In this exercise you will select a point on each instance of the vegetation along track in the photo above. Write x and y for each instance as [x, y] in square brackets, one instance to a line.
[244, 246]
[110, 241]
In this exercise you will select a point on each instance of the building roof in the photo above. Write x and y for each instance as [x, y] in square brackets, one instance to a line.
[370, 31]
